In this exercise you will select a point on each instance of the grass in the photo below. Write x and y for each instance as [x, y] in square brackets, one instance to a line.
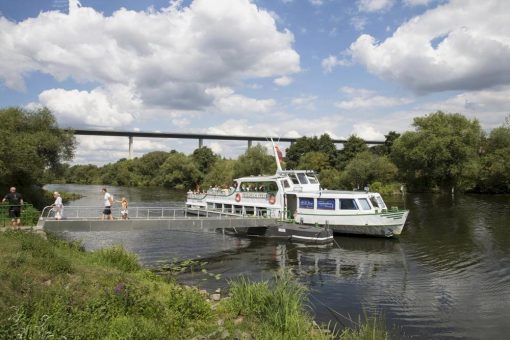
[54, 289]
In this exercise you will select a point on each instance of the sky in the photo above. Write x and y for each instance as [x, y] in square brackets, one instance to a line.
[287, 68]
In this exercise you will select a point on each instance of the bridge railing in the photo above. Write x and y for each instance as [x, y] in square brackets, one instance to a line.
[134, 212]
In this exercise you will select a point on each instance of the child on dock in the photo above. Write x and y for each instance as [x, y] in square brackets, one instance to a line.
[124, 208]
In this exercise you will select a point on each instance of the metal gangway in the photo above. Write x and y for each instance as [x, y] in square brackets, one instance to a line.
[175, 211]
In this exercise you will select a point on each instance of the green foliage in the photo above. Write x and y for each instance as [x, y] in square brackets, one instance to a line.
[442, 152]
[117, 257]
[353, 146]
[255, 161]
[276, 309]
[495, 162]
[330, 178]
[313, 160]
[369, 329]
[221, 173]
[204, 159]
[31, 141]
[366, 168]
[386, 148]
[303, 145]
[179, 171]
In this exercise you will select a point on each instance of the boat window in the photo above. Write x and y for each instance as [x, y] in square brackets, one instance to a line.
[326, 203]
[302, 178]
[285, 183]
[312, 179]
[381, 202]
[306, 203]
[363, 202]
[293, 178]
[348, 204]
[374, 202]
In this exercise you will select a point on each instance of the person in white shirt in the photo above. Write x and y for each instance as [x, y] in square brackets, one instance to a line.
[108, 200]
[58, 207]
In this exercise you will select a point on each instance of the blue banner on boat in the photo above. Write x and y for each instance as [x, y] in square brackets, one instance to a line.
[306, 203]
[326, 203]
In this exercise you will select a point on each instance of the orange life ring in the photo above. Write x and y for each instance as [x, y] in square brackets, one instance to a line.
[272, 199]
[238, 197]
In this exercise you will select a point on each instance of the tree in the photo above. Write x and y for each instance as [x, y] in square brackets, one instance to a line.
[179, 171]
[385, 149]
[330, 178]
[353, 146]
[304, 145]
[221, 173]
[204, 158]
[367, 168]
[313, 160]
[495, 162]
[255, 161]
[442, 152]
[30, 142]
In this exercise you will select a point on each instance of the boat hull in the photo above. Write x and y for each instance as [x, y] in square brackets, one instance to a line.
[388, 224]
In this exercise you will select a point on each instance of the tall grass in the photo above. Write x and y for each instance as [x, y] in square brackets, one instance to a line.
[276, 308]
[117, 257]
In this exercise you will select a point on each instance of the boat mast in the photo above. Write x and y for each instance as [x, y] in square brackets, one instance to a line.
[277, 156]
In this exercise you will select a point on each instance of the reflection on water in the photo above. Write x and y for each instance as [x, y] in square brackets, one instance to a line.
[447, 276]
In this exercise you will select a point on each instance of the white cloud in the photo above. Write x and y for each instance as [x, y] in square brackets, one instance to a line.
[490, 107]
[283, 81]
[367, 132]
[417, 2]
[226, 101]
[307, 102]
[316, 2]
[103, 149]
[358, 23]
[462, 45]
[99, 107]
[366, 99]
[329, 63]
[374, 5]
[179, 53]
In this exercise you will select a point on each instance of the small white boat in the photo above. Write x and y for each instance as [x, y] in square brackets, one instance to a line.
[296, 196]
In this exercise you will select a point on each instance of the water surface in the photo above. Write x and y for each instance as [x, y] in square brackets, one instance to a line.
[446, 277]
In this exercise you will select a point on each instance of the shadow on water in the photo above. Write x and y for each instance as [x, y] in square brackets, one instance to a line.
[447, 276]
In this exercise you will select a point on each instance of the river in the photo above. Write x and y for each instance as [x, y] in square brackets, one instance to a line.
[447, 276]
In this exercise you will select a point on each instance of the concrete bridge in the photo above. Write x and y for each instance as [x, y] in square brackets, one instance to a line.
[198, 136]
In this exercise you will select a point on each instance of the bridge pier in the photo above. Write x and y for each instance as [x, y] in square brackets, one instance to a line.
[130, 147]
[200, 142]
[249, 143]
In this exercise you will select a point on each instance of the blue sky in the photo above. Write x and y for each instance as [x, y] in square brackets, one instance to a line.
[262, 67]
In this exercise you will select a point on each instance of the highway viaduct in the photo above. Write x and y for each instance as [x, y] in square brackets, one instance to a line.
[197, 136]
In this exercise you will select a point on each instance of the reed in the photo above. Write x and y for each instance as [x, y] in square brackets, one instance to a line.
[277, 308]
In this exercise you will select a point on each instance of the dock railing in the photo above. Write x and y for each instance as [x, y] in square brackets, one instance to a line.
[138, 213]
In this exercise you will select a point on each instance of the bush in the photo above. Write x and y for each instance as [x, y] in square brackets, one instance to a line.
[117, 257]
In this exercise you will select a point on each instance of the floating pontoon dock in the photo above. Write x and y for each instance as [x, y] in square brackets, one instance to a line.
[86, 219]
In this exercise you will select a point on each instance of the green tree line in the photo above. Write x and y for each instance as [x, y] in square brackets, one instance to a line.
[444, 152]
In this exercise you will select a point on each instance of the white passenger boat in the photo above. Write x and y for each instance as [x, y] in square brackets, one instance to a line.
[296, 196]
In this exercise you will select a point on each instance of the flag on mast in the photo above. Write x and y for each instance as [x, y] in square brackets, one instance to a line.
[279, 153]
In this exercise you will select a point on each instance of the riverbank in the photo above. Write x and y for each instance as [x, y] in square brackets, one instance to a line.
[51, 288]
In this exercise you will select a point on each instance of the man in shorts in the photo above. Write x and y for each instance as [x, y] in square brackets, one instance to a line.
[15, 202]
[108, 200]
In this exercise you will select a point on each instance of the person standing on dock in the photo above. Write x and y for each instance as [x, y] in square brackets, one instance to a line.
[58, 206]
[15, 202]
[124, 208]
[108, 200]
